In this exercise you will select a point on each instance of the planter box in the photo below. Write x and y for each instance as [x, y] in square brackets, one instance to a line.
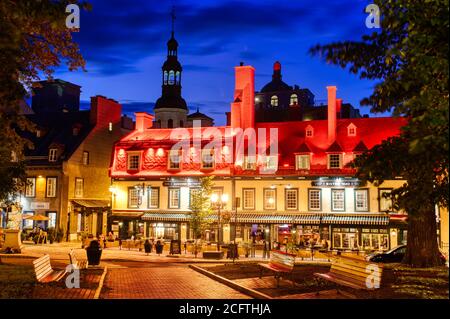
[213, 254]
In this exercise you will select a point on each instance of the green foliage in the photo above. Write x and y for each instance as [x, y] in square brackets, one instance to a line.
[33, 41]
[201, 207]
[408, 57]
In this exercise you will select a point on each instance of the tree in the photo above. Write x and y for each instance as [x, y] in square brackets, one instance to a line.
[409, 58]
[34, 40]
[201, 210]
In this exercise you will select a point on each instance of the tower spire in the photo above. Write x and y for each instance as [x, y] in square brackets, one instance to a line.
[172, 14]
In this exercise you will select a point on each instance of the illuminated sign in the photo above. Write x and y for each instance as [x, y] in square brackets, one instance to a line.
[332, 182]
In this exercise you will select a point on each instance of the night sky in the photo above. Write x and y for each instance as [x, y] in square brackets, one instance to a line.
[124, 44]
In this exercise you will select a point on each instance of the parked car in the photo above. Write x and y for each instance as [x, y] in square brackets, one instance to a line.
[395, 255]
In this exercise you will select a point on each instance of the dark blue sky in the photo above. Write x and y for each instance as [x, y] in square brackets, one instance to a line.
[124, 44]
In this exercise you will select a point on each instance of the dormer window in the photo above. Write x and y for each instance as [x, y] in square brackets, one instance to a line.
[208, 159]
[250, 162]
[52, 155]
[334, 161]
[271, 163]
[294, 99]
[309, 132]
[134, 160]
[302, 161]
[274, 100]
[351, 130]
[174, 159]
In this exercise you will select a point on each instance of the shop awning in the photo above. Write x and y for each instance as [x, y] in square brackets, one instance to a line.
[91, 203]
[175, 217]
[356, 219]
[127, 214]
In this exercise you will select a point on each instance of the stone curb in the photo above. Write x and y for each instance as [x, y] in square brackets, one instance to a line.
[250, 292]
[100, 284]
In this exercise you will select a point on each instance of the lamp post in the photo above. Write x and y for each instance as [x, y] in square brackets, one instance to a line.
[219, 203]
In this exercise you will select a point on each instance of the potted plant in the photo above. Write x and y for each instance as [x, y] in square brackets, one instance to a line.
[94, 252]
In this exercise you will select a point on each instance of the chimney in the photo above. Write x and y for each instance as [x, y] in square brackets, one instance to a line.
[228, 115]
[104, 111]
[338, 107]
[331, 113]
[143, 121]
[243, 107]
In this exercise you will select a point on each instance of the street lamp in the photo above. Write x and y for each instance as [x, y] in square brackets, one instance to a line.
[219, 203]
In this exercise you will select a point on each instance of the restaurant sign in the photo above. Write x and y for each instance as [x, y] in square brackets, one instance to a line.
[182, 183]
[334, 182]
[39, 205]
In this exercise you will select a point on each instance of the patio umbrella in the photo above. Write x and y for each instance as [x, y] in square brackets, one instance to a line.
[36, 217]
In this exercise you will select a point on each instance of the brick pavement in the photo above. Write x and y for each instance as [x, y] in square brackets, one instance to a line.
[164, 281]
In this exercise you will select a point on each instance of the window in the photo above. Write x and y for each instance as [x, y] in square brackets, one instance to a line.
[110, 126]
[27, 223]
[38, 133]
[385, 201]
[50, 187]
[271, 163]
[302, 162]
[174, 159]
[294, 99]
[291, 198]
[208, 159]
[177, 77]
[133, 161]
[250, 162]
[334, 161]
[171, 77]
[270, 198]
[309, 131]
[174, 198]
[14, 156]
[85, 158]
[133, 197]
[165, 77]
[52, 154]
[274, 100]
[338, 199]
[52, 220]
[361, 200]
[351, 130]
[153, 197]
[374, 238]
[314, 199]
[193, 192]
[248, 194]
[30, 189]
[79, 185]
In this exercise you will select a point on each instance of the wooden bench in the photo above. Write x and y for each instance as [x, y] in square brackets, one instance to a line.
[354, 273]
[281, 264]
[80, 264]
[44, 271]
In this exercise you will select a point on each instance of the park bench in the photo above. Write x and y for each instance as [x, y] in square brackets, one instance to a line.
[353, 272]
[280, 264]
[44, 271]
[80, 264]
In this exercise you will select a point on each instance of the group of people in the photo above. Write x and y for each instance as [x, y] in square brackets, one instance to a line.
[149, 244]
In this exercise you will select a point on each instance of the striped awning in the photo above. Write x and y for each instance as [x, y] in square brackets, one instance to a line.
[169, 217]
[356, 219]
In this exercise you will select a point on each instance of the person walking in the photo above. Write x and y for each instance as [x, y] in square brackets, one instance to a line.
[147, 247]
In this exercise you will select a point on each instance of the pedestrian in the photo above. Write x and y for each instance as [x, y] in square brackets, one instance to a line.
[147, 247]
[120, 243]
[159, 247]
[266, 251]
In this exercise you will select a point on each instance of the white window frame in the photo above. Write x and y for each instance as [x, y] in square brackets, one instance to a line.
[287, 200]
[300, 163]
[131, 155]
[329, 161]
[151, 191]
[174, 201]
[274, 100]
[50, 186]
[365, 200]
[85, 158]
[313, 200]
[248, 196]
[174, 164]
[382, 201]
[79, 191]
[52, 154]
[133, 197]
[52, 221]
[293, 98]
[249, 163]
[30, 190]
[271, 162]
[338, 203]
[270, 193]
[208, 154]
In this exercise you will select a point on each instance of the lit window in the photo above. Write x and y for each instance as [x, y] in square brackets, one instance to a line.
[51, 187]
[174, 159]
[153, 197]
[208, 159]
[248, 195]
[171, 77]
[174, 198]
[351, 130]
[385, 200]
[314, 199]
[85, 158]
[133, 197]
[110, 126]
[52, 155]
[291, 198]
[27, 223]
[361, 200]
[250, 162]
[165, 77]
[177, 77]
[38, 133]
[30, 188]
[338, 199]
[270, 199]
[52, 220]
[79, 185]
[271, 162]
[133, 161]
[274, 100]
[334, 161]
[14, 156]
[294, 99]
[302, 162]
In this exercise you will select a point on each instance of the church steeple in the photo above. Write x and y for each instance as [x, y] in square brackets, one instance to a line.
[171, 99]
